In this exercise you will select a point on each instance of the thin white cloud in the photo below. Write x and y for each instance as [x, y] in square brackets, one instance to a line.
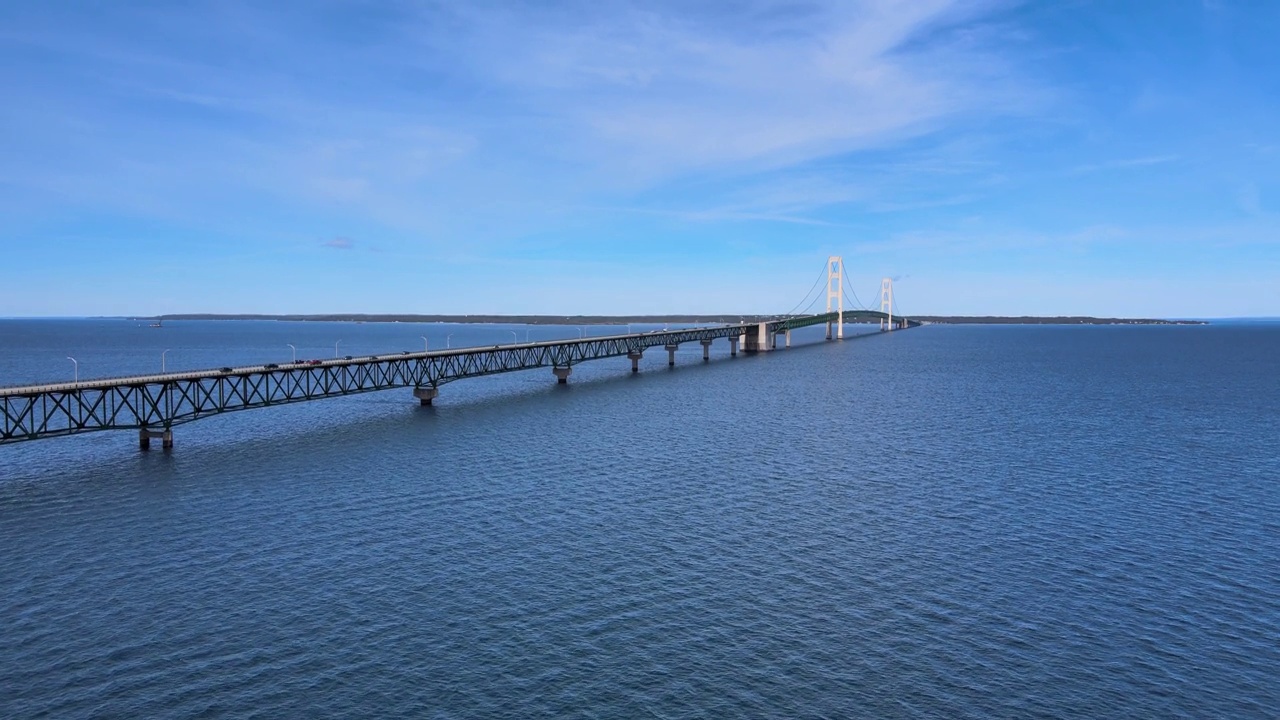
[488, 120]
[654, 93]
[1125, 163]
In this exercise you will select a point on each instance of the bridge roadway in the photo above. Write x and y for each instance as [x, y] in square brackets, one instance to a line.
[154, 404]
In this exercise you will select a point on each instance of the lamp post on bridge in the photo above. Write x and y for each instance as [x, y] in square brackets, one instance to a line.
[514, 337]
[166, 350]
[426, 346]
[77, 368]
[335, 348]
[295, 352]
[581, 334]
[446, 341]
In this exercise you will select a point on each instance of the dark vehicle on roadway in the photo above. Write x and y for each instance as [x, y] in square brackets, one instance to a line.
[271, 366]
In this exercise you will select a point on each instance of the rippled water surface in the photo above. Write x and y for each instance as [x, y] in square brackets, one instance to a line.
[946, 522]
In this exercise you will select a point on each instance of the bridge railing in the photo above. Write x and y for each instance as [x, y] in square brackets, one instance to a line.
[165, 400]
[168, 399]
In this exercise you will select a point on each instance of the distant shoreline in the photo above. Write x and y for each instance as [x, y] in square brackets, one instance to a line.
[1056, 320]
[654, 319]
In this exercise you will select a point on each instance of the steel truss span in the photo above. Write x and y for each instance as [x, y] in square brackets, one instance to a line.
[152, 404]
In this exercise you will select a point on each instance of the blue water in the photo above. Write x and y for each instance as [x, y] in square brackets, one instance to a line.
[955, 522]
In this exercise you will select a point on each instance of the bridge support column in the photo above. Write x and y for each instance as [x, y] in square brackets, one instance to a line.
[145, 435]
[788, 338]
[426, 394]
[634, 357]
[671, 354]
[758, 339]
[562, 374]
[828, 331]
[733, 346]
[706, 350]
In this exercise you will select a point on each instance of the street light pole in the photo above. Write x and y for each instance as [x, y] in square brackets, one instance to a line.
[580, 334]
[446, 341]
[295, 352]
[426, 346]
[335, 348]
[514, 337]
[77, 367]
[162, 359]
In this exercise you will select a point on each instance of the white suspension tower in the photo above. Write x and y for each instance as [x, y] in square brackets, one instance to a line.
[886, 303]
[835, 293]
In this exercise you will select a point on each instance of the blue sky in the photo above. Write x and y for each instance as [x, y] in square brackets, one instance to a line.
[1107, 158]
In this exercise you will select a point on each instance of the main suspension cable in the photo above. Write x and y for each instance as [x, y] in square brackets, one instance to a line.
[806, 295]
[809, 310]
[848, 285]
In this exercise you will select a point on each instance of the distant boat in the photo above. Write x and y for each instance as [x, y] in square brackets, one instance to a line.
[158, 323]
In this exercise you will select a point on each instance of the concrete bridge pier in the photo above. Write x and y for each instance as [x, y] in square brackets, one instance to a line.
[634, 357]
[562, 374]
[788, 338]
[706, 350]
[758, 340]
[426, 394]
[829, 335]
[145, 435]
[733, 346]
[671, 354]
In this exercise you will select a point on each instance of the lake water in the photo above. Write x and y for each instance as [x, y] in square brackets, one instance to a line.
[950, 522]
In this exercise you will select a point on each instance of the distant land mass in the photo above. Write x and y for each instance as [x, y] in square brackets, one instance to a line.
[1054, 320]
[662, 319]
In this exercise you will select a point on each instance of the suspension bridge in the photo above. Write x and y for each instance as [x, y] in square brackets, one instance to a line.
[152, 405]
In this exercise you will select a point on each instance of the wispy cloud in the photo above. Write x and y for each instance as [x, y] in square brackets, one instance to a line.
[443, 118]
[760, 85]
[1249, 198]
[1126, 163]
[338, 243]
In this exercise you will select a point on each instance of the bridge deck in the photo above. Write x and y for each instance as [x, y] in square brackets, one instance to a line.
[161, 401]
